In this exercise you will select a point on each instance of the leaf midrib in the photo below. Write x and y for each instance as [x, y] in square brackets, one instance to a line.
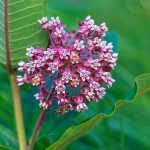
[9, 67]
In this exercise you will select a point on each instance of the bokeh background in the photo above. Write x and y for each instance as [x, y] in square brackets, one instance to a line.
[129, 127]
[128, 22]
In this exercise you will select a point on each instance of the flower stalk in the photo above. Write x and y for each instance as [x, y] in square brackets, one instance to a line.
[18, 112]
[37, 128]
[39, 123]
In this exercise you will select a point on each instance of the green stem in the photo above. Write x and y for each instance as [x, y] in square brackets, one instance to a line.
[37, 128]
[18, 112]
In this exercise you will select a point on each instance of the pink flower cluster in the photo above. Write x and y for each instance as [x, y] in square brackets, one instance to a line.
[79, 60]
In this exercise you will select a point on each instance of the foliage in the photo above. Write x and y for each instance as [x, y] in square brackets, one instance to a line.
[22, 29]
[142, 85]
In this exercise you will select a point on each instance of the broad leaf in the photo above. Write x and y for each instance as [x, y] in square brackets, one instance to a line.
[8, 134]
[142, 86]
[8, 137]
[5, 148]
[21, 29]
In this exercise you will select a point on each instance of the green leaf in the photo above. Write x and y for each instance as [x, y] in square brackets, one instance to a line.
[142, 85]
[5, 148]
[22, 30]
[8, 134]
[8, 137]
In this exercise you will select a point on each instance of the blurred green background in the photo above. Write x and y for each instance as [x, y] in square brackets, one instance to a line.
[129, 128]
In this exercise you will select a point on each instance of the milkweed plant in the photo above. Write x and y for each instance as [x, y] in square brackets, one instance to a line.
[79, 60]
[67, 70]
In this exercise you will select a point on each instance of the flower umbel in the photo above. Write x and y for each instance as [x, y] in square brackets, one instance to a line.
[81, 59]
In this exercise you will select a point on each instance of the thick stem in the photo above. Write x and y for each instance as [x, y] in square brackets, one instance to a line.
[18, 112]
[37, 128]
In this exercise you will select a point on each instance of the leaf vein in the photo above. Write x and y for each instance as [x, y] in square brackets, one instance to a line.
[19, 58]
[2, 3]
[24, 47]
[2, 57]
[22, 27]
[1, 12]
[24, 17]
[2, 40]
[2, 49]
[15, 3]
[1, 28]
[11, 41]
[2, 24]
[24, 9]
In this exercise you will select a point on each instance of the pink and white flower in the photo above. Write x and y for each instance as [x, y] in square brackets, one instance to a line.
[64, 53]
[84, 74]
[100, 94]
[66, 75]
[44, 23]
[100, 30]
[39, 62]
[93, 63]
[60, 87]
[45, 103]
[81, 61]
[87, 25]
[49, 53]
[22, 66]
[53, 66]
[78, 45]
[31, 66]
[38, 79]
[20, 80]
[54, 22]
[94, 86]
[60, 35]
[30, 51]
[81, 106]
